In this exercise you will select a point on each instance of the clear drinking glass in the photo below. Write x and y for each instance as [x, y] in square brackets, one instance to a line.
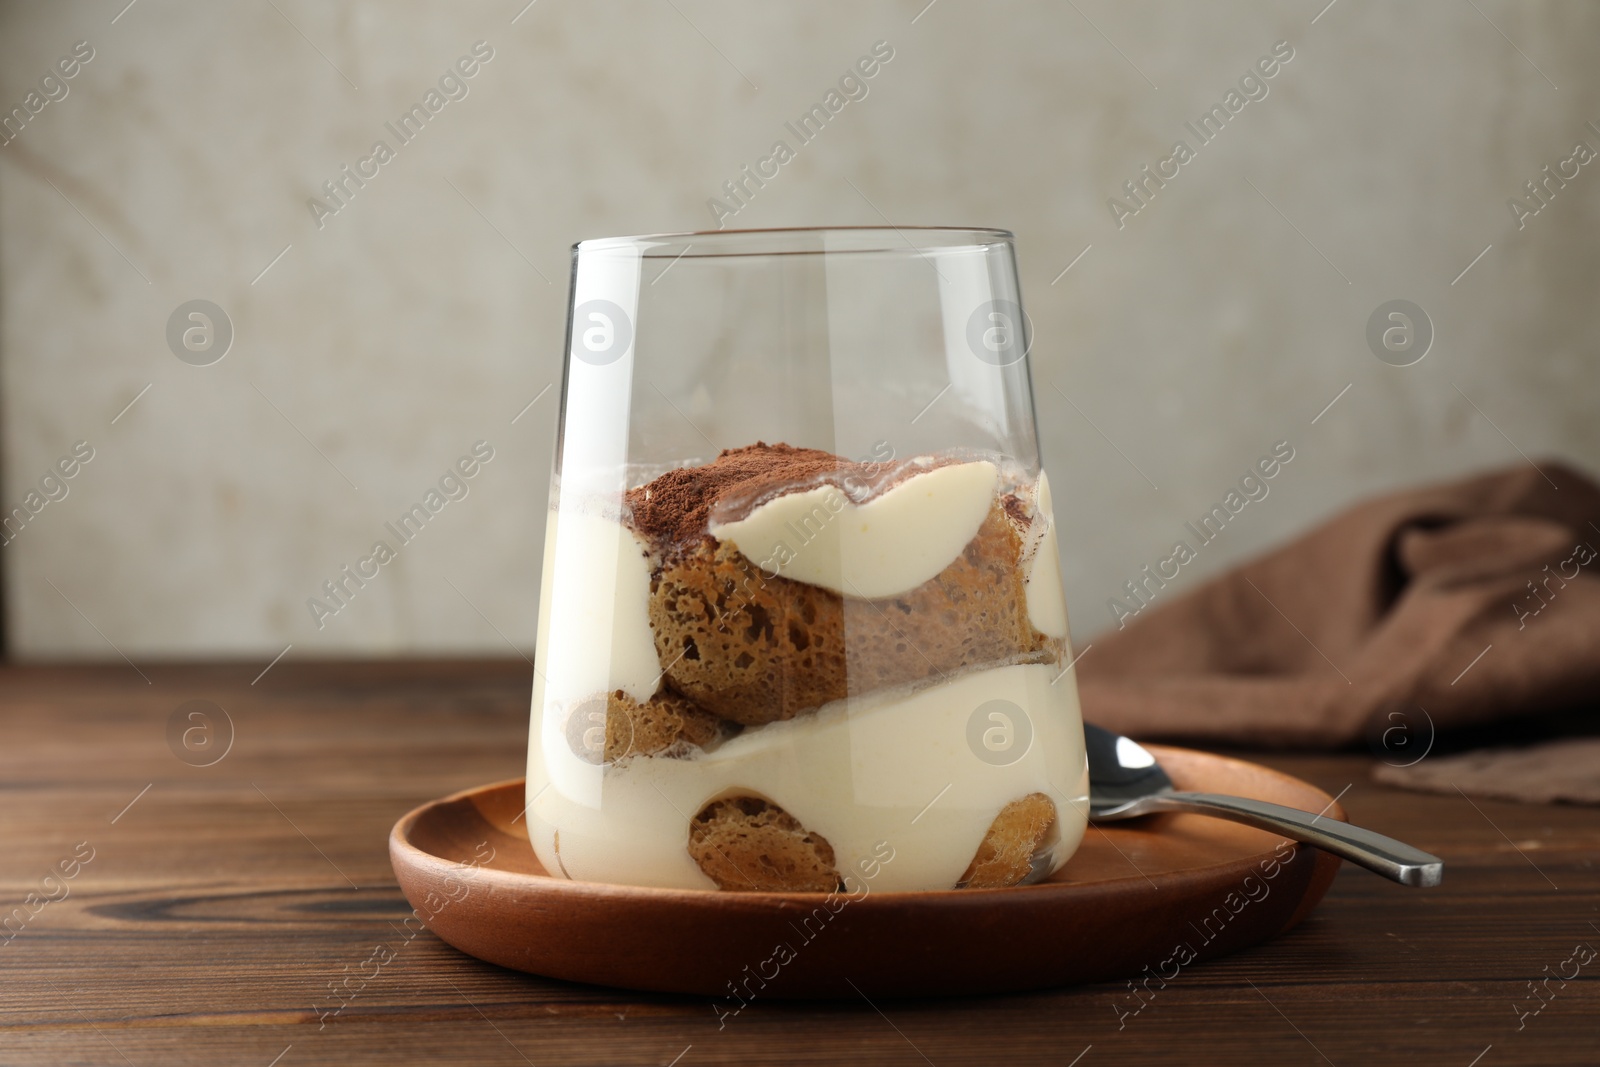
[834, 658]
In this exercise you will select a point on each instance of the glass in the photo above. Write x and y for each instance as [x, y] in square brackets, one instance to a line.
[834, 658]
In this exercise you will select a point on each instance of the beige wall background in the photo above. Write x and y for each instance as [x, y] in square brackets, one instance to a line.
[370, 353]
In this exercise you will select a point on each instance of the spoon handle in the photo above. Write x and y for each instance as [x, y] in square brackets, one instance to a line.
[1392, 859]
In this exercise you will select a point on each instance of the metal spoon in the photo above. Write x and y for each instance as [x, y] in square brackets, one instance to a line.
[1125, 781]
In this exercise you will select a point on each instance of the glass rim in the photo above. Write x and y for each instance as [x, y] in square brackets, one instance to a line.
[845, 239]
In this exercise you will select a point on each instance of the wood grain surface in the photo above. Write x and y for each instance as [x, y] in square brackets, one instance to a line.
[160, 912]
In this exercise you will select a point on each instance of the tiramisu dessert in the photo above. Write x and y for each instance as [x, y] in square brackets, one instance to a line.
[773, 670]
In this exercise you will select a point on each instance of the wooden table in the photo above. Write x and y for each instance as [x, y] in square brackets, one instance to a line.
[220, 902]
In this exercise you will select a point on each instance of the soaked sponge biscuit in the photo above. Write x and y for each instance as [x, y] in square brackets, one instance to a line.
[758, 649]
[606, 729]
[747, 842]
[1005, 856]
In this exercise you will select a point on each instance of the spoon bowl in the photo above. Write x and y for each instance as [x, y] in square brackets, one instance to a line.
[1126, 781]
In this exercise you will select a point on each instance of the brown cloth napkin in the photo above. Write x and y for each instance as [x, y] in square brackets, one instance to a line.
[1566, 770]
[1440, 608]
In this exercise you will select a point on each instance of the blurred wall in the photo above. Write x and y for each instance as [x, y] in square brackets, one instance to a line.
[372, 347]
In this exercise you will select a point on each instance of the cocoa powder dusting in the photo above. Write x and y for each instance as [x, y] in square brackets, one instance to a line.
[675, 507]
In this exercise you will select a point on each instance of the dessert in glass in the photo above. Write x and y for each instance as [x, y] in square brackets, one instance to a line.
[801, 621]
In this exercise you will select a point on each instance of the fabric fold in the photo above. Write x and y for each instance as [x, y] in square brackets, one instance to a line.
[1460, 604]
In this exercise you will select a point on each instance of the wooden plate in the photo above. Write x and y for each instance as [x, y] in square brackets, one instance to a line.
[1161, 892]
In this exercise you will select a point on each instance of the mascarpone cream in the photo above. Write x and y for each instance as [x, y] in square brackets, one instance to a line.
[889, 767]
[1047, 607]
[597, 571]
[889, 545]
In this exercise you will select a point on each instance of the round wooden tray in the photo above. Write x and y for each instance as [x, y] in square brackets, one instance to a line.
[1162, 892]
